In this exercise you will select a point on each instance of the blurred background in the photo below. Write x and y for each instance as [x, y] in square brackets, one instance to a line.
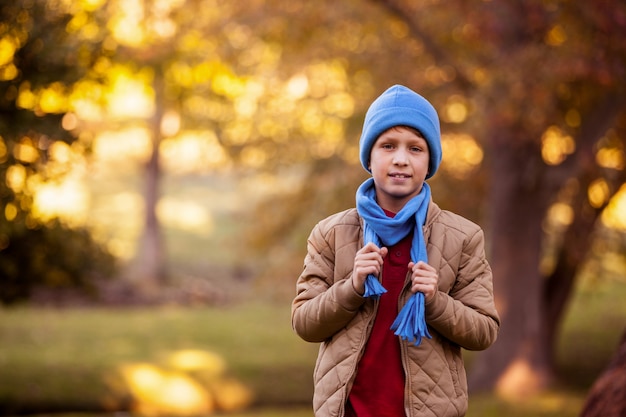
[162, 163]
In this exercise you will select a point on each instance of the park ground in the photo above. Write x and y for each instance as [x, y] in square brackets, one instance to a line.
[70, 360]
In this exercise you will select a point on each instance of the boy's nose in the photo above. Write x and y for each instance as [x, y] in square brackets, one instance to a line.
[400, 157]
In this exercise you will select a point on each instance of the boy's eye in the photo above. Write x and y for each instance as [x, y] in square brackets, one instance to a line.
[387, 146]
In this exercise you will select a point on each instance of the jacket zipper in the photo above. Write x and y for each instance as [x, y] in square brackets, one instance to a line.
[361, 349]
[404, 355]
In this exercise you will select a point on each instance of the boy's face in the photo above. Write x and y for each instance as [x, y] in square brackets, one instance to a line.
[399, 165]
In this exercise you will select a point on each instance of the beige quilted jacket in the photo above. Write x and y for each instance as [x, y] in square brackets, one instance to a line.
[327, 309]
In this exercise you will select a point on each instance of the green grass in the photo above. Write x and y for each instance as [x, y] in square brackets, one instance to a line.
[593, 326]
[561, 403]
[58, 358]
[67, 359]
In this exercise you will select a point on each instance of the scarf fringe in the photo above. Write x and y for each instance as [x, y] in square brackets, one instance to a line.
[410, 324]
[373, 287]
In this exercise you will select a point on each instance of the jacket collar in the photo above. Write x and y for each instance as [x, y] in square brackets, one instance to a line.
[433, 213]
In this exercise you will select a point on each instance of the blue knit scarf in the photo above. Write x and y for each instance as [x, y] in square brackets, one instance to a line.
[410, 324]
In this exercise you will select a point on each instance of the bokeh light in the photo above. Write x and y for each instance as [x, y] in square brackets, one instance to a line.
[556, 146]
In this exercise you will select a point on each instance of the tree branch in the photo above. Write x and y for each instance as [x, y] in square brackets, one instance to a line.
[595, 125]
[439, 54]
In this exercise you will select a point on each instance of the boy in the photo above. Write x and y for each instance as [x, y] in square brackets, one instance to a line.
[365, 265]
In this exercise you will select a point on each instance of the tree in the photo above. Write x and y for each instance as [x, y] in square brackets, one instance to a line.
[175, 51]
[34, 79]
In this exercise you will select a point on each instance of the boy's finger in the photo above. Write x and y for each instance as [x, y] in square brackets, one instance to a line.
[423, 265]
[370, 247]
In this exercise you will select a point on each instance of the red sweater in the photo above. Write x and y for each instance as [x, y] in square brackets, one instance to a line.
[378, 389]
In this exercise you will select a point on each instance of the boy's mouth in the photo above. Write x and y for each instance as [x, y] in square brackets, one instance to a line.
[399, 175]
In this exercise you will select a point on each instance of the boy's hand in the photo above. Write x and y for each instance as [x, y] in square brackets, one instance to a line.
[424, 279]
[368, 260]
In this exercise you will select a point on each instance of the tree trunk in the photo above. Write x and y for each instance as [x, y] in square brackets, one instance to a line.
[150, 271]
[515, 365]
[559, 284]
[607, 397]
[578, 237]
[531, 307]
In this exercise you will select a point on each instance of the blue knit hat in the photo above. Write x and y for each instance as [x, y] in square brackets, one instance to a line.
[401, 106]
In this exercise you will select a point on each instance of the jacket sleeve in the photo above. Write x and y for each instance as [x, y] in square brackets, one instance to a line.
[326, 300]
[467, 314]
